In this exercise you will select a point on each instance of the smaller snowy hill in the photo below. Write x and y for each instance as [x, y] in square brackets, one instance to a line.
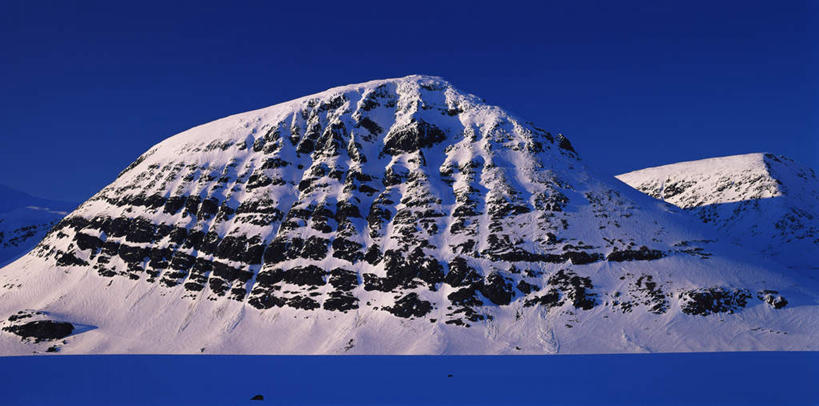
[24, 221]
[762, 201]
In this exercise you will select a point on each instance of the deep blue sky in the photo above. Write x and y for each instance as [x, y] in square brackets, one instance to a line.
[88, 86]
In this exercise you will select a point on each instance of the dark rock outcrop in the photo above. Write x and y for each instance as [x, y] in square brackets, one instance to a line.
[410, 305]
[642, 254]
[412, 137]
[705, 301]
[772, 298]
[42, 330]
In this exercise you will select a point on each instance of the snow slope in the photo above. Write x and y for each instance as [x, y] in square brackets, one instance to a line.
[397, 216]
[762, 201]
[24, 221]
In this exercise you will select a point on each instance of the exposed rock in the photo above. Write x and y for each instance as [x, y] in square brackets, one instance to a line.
[42, 330]
[497, 289]
[347, 250]
[412, 137]
[705, 301]
[642, 292]
[303, 302]
[642, 254]
[307, 275]
[406, 272]
[772, 298]
[373, 255]
[527, 288]
[460, 273]
[564, 286]
[343, 279]
[410, 305]
[341, 301]
[69, 259]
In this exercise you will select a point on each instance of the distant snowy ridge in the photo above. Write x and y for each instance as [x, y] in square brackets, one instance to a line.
[761, 201]
[24, 221]
[398, 216]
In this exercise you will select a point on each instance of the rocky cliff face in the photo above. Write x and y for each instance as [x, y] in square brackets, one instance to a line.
[394, 216]
[762, 201]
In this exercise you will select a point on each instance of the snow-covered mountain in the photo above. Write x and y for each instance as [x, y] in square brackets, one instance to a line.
[762, 201]
[393, 216]
[24, 221]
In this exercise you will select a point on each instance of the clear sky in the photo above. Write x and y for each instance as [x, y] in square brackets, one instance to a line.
[88, 86]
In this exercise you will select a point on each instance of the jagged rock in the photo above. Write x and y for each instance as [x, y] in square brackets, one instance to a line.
[373, 255]
[303, 302]
[343, 279]
[644, 291]
[566, 284]
[315, 248]
[705, 301]
[497, 289]
[465, 297]
[772, 298]
[341, 301]
[69, 259]
[460, 273]
[410, 305]
[527, 288]
[548, 300]
[87, 242]
[404, 272]
[276, 251]
[132, 255]
[582, 257]
[174, 204]
[265, 300]
[412, 137]
[347, 249]
[307, 275]
[564, 143]
[208, 208]
[642, 254]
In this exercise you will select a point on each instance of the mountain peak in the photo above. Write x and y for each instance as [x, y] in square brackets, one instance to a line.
[393, 216]
[720, 174]
[400, 115]
[760, 200]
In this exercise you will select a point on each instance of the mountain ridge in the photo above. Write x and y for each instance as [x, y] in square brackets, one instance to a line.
[394, 216]
[760, 200]
[24, 221]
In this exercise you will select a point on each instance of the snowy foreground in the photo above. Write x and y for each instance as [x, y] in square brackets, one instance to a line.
[768, 378]
[145, 318]
[391, 217]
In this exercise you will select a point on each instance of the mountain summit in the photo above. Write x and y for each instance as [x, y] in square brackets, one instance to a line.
[393, 216]
[762, 201]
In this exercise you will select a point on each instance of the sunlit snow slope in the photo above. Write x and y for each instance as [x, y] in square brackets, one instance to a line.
[760, 201]
[393, 216]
